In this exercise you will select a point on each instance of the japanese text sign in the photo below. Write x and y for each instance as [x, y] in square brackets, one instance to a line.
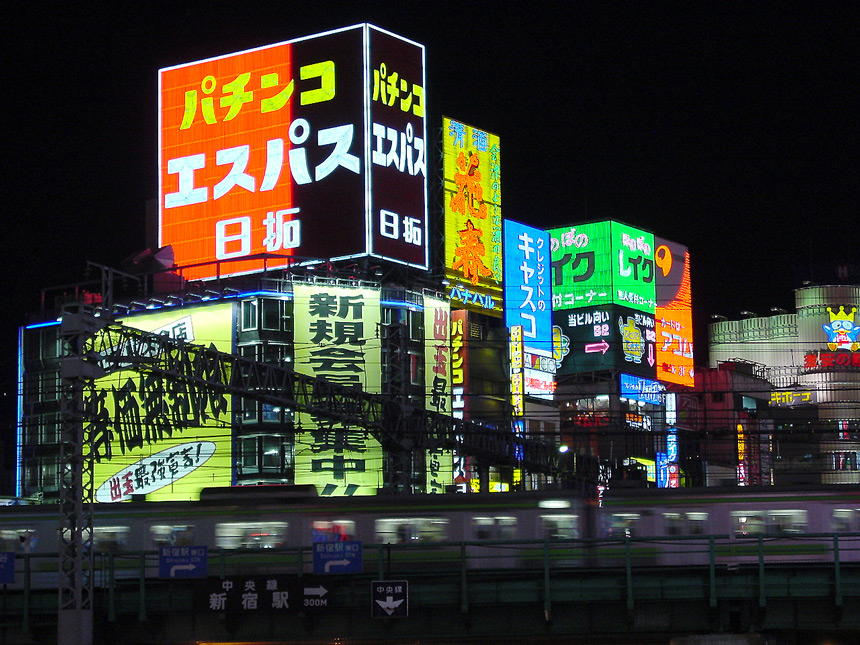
[528, 291]
[674, 313]
[602, 263]
[473, 216]
[270, 150]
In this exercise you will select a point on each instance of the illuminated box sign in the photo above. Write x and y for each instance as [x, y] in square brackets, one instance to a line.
[789, 398]
[600, 338]
[166, 441]
[528, 291]
[641, 389]
[602, 263]
[336, 338]
[438, 463]
[517, 384]
[473, 216]
[674, 313]
[274, 149]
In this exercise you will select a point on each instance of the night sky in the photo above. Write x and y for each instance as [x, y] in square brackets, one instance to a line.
[729, 127]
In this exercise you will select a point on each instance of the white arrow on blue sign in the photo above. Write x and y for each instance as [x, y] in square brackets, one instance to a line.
[182, 562]
[337, 557]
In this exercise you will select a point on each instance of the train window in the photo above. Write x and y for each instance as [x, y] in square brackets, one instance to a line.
[697, 523]
[843, 520]
[332, 531]
[791, 522]
[623, 525]
[559, 527]
[242, 535]
[494, 528]
[748, 523]
[674, 523]
[401, 530]
[171, 535]
[110, 538]
[18, 540]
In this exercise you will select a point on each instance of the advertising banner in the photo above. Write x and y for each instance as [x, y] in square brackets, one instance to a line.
[473, 216]
[164, 439]
[336, 338]
[437, 384]
[273, 150]
[674, 313]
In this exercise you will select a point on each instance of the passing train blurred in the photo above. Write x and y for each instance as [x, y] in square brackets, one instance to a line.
[662, 527]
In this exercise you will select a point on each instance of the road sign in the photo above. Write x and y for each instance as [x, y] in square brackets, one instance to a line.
[273, 594]
[182, 562]
[389, 599]
[7, 567]
[337, 557]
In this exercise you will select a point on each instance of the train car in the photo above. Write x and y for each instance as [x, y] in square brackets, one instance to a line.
[274, 528]
[680, 526]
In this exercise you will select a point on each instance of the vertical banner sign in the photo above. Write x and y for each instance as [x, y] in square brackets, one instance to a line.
[270, 150]
[437, 386]
[633, 273]
[166, 440]
[459, 389]
[528, 291]
[516, 360]
[473, 216]
[336, 338]
[674, 313]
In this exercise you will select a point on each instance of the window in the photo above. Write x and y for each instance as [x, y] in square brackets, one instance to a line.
[272, 314]
[697, 523]
[403, 530]
[171, 535]
[559, 527]
[674, 523]
[249, 315]
[18, 540]
[623, 525]
[332, 530]
[842, 520]
[790, 522]
[245, 535]
[494, 528]
[110, 538]
[748, 523]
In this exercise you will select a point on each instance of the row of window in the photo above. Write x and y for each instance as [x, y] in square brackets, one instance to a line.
[742, 523]
[274, 534]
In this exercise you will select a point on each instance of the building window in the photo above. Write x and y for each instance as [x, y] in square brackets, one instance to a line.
[249, 315]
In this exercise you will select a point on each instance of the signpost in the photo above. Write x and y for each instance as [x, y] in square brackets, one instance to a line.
[337, 557]
[182, 562]
[389, 599]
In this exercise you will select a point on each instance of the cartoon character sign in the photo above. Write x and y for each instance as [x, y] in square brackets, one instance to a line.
[842, 332]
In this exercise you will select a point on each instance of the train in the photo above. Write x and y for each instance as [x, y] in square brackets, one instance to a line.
[276, 528]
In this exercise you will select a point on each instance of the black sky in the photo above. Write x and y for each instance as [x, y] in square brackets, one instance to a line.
[732, 128]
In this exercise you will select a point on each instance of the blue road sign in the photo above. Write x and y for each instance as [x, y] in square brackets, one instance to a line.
[182, 562]
[7, 567]
[337, 557]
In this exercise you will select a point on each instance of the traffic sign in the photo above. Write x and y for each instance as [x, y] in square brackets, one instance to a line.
[389, 599]
[182, 562]
[337, 557]
[7, 567]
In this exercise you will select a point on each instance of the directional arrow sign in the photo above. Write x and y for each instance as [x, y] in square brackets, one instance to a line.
[390, 598]
[337, 557]
[593, 348]
[182, 562]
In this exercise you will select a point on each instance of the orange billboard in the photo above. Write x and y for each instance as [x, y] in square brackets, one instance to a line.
[270, 150]
[674, 313]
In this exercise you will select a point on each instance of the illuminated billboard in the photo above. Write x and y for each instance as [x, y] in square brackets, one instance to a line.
[602, 263]
[528, 291]
[605, 338]
[336, 338]
[437, 383]
[166, 440]
[473, 216]
[674, 313]
[310, 148]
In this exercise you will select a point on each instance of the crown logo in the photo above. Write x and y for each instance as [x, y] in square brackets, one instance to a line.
[842, 332]
[842, 314]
